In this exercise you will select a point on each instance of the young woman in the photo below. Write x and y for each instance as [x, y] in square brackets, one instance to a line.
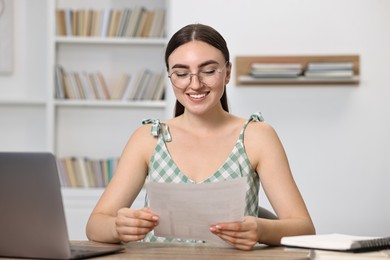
[202, 143]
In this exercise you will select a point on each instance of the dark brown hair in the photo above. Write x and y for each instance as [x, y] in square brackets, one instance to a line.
[198, 32]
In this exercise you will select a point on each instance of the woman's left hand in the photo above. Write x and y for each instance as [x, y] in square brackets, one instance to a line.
[242, 235]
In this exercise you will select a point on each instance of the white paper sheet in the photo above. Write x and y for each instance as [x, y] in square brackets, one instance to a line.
[188, 210]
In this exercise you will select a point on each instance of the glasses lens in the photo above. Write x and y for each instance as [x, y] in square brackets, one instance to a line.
[209, 78]
[180, 80]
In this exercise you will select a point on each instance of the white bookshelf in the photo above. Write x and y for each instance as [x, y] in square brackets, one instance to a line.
[97, 128]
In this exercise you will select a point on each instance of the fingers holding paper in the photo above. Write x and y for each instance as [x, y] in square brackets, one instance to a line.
[242, 235]
[133, 225]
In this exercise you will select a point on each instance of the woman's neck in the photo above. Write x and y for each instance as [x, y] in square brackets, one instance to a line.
[205, 122]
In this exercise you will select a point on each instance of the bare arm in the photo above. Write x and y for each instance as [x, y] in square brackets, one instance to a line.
[267, 155]
[282, 192]
[112, 220]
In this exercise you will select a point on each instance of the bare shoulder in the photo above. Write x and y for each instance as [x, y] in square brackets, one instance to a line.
[141, 141]
[142, 132]
[259, 131]
[261, 142]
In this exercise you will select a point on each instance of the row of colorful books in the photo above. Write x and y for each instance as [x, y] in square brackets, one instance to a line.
[147, 85]
[86, 173]
[126, 22]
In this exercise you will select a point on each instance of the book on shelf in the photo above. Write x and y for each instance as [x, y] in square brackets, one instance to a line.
[94, 22]
[140, 82]
[83, 179]
[105, 92]
[337, 242]
[329, 74]
[329, 70]
[144, 24]
[134, 20]
[276, 66]
[276, 70]
[60, 24]
[86, 24]
[330, 66]
[69, 86]
[160, 89]
[68, 21]
[59, 84]
[147, 86]
[98, 85]
[74, 23]
[123, 22]
[157, 28]
[276, 74]
[79, 87]
[144, 86]
[106, 13]
[114, 23]
[150, 87]
[121, 87]
[336, 255]
[89, 91]
[155, 87]
[92, 85]
[70, 177]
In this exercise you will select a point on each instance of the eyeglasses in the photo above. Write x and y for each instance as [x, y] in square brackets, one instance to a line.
[208, 76]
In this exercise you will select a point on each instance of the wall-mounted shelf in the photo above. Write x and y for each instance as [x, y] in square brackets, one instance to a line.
[244, 68]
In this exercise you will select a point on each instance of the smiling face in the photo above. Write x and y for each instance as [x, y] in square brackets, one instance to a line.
[210, 74]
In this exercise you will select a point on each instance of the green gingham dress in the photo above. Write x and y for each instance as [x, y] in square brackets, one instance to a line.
[163, 169]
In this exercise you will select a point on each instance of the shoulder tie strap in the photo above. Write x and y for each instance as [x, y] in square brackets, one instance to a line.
[257, 117]
[158, 128]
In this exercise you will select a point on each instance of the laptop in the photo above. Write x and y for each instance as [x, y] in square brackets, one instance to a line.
[32, 218]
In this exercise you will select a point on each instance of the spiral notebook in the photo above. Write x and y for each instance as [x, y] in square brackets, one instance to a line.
[338, 242]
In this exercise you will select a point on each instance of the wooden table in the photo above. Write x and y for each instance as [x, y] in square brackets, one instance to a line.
[201, 251]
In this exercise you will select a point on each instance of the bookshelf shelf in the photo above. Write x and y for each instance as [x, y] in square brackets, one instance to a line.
[22, 102]
[110, 103]
[244, 70]
[106, 40]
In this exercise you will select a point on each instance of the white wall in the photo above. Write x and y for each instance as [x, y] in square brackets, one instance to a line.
[336, 137]
[23, 127]
[27, 81]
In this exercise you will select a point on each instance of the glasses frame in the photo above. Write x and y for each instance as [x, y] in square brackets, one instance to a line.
[200, 78]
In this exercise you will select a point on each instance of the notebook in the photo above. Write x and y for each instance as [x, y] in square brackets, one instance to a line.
[338, 242]
[32, 219]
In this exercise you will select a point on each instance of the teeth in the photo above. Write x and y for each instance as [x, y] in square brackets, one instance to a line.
[197, 95]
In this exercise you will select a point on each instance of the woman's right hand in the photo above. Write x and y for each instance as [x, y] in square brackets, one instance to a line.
[133, 225]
